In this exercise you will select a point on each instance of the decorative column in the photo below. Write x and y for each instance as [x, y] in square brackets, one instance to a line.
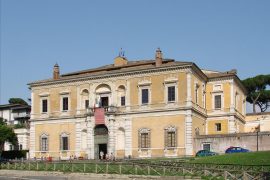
[111, 133]
[32, 143]
[188, 133]
[90, 138]
[78, 138]
[128, 137]
[189, 97]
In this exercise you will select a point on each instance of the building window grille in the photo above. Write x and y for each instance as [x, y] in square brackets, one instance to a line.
[171, 93]
[144, 138]
[65, 143]
[44, 143]
[207, 147]
[218, 102]
[145, 96]
[170, 137]
[123, 101]
[218, 126]
[86, 104]
[64, 139]
[65, 103]
[44, 105]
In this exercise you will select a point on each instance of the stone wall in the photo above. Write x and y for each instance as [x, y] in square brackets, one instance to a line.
[219, 143]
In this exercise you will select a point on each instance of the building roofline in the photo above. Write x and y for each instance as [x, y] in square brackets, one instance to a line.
[258, 113]
[13, 106]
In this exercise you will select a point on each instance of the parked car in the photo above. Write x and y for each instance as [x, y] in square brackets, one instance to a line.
[236, 150]
[202, 153]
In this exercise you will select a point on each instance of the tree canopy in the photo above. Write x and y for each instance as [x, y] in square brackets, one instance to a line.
[6, 134]
[17, 101]
[258, 94]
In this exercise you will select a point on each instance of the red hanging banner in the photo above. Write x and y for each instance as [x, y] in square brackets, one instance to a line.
[99, 114]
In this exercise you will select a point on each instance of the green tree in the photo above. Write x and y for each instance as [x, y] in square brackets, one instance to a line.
[17, 101]
[6, 134]
[258, 94]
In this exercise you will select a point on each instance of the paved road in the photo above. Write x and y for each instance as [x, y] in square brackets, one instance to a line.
[46, 175]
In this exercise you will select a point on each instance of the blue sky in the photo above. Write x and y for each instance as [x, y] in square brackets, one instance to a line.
[82, 34]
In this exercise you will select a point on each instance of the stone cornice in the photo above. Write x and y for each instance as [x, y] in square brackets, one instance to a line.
[110, 75]
[230, 77]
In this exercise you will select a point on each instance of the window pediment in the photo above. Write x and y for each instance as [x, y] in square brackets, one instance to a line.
[144, 83]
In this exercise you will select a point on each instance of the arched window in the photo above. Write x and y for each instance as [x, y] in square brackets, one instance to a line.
[85, 98]
[121, 95]
[44, 142]
[120, 139]
[103, 94]
[64, 142]
[144, 138]
[170, 137]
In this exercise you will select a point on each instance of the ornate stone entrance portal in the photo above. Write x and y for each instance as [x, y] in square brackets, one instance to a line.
[100, 140]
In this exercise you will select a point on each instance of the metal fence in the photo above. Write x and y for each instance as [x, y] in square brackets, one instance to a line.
[181, 169]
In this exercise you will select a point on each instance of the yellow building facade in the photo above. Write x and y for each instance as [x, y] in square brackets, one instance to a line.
[141, 109]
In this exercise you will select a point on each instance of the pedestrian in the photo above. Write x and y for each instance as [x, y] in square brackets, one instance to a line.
[101, 154]
[112, 157]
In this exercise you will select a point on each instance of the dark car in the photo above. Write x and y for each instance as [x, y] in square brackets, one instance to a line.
[236, 150]
[202, 153]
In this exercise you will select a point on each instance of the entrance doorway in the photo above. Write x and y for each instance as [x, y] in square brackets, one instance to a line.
[100, 140]
[102, 148]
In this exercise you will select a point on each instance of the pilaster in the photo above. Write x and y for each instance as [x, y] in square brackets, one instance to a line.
[232, 126]
[128, 137]
[90, 138]
[232, 106]
[189, 97]
[188, 133]
[111, 148]
[32, 143]
[78, 138]
[128, 96]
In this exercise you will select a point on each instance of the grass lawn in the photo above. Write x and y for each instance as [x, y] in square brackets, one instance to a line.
[251, 158]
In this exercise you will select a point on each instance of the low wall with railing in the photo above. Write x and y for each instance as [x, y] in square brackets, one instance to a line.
[220, 142]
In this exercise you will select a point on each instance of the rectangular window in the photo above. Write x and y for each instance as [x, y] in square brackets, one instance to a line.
[65, 143]
[145, 98]
[123, 101]
[171, 93]
[44, 105]
[218, 126]
[44, 144]
[144, 140]
[171, 141]
[206, 147]
[86, 104]
[218, 102]
[65, 103]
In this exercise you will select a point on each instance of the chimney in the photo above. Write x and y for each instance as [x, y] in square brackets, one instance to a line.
[56, 72]
[158, 57]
